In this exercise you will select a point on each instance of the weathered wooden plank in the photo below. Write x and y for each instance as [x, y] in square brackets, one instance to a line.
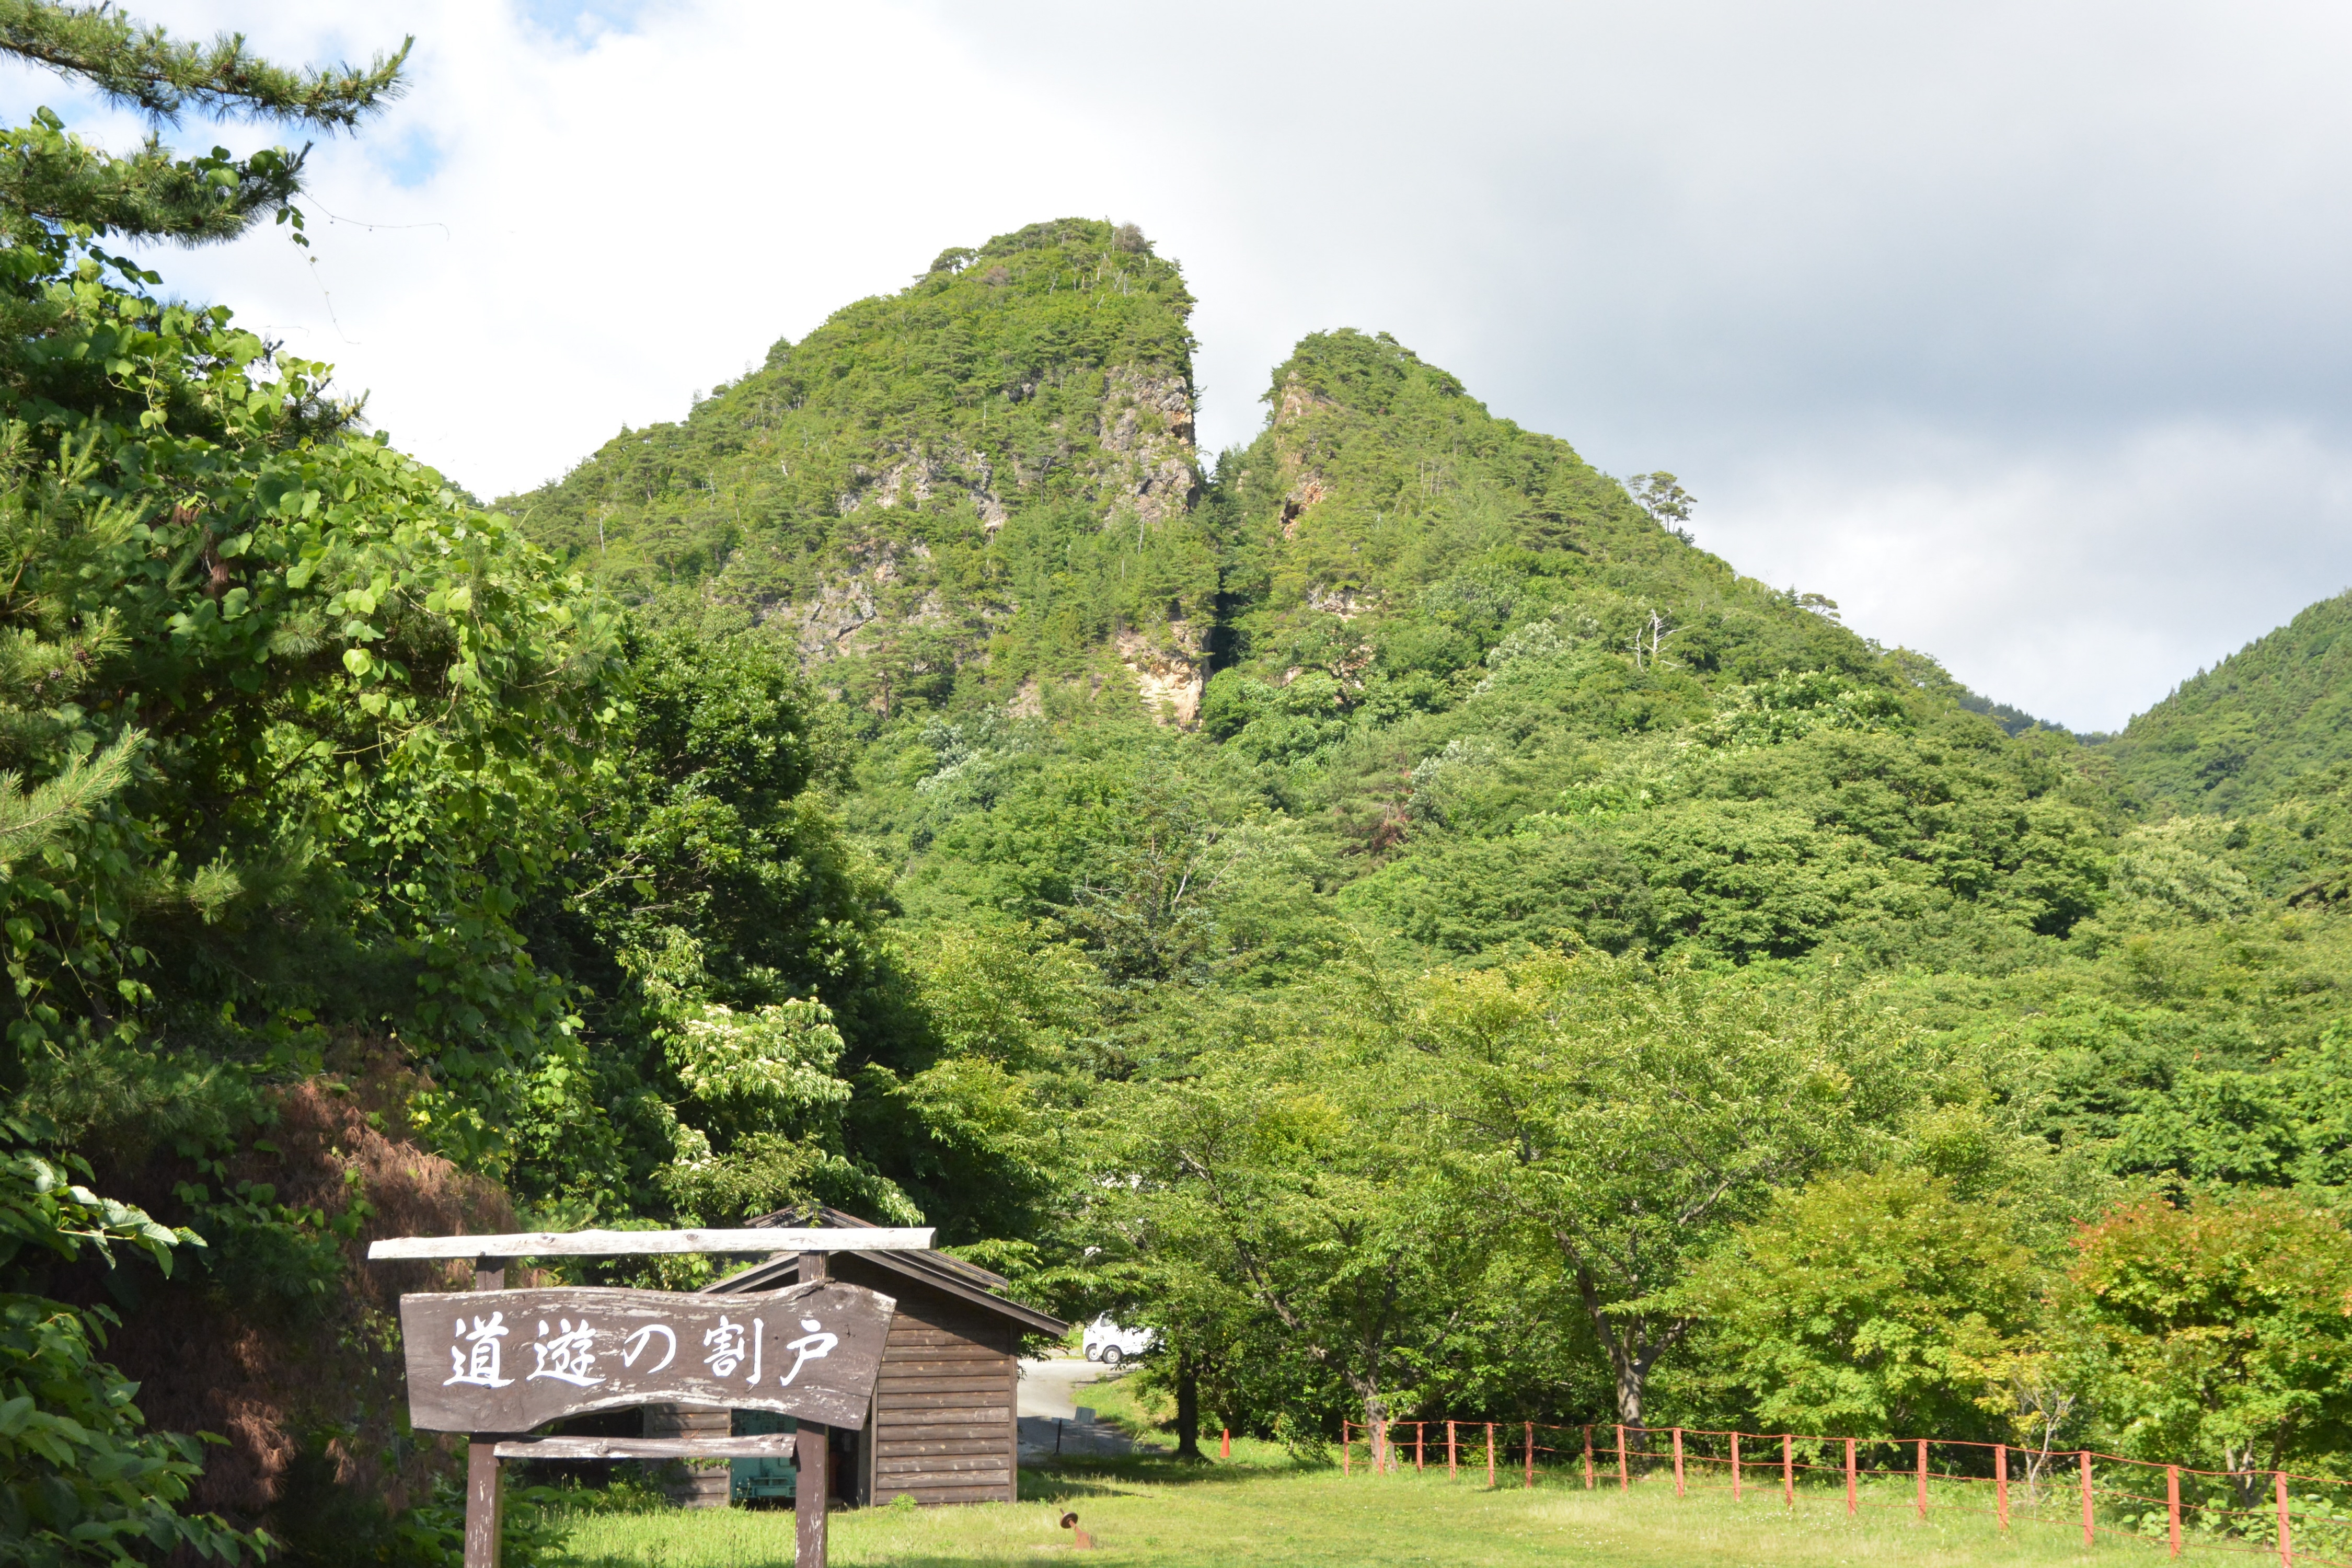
[686, 1420]
[774, 1445]
[991, 1444]
[1013, 1434]
[935, 1407]
[989, 1382]
[944, 1464]
[633, 1243]
[989, 1419]
[959, 1322]
[942, 1358]
[922, 1431]
[511, 1361]
[997, 1491]
[949, 1414]
[938, 1321]
[970, 1366]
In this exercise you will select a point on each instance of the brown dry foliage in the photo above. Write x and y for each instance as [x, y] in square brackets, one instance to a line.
[268, 1391]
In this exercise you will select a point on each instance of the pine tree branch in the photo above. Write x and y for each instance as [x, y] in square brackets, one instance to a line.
[144, 194]
[29, 821]
[145, 66]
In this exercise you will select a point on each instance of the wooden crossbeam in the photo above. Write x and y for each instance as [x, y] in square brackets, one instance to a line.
[773, 1445]
[633, 1243]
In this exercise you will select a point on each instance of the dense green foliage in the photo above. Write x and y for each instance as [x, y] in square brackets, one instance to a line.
[1441, 845]
[2250, 732]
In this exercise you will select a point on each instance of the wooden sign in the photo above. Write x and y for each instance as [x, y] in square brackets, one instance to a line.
[508, 1360]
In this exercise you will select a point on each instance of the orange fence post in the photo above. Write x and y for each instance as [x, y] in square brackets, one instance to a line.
[1226, 1444]
[1490, 1456]
[1587, 1459]
[1449, 1451]
[1678, 1461]
[2286, 1532]
[2001, 1481]
[1734, 1467]
[2089, 1529]
[1532, 1455]
[1418, 1433]
[1347, 1448]
[2172, 1505]
[1923, 1477]
[1851, 1503]
[1788, 1470]
[1621, 1459]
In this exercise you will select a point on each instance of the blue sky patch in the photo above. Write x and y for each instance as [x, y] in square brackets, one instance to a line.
[409, 158]
[583, 21]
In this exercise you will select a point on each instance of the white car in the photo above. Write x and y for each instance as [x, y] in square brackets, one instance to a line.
[1108, 1344]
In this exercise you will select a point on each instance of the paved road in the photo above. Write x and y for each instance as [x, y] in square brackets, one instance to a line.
[1051, 1392]
[1050, 1388]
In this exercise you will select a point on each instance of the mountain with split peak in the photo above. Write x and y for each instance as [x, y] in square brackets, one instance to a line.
[1487, 694]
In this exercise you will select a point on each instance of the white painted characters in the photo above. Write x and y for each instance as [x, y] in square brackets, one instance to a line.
[569, 1351]
[730, 1344]
[634, 1346]
[814, 1344]
[475, 1357]
[567, 1357]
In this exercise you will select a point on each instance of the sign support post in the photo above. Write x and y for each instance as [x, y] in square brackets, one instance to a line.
[812, 1487]
[486, 1497]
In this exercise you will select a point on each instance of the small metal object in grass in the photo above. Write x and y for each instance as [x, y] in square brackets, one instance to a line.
[1083, 1540]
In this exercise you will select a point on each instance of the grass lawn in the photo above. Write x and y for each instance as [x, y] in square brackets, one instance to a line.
[1259, 1510]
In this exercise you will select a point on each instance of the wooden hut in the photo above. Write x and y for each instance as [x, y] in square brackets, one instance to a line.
[943, 1425]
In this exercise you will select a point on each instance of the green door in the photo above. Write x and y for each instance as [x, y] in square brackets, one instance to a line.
[753, 1480]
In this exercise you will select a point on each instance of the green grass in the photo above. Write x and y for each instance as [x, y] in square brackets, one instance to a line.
[1154, 1513]
[1120, 1399]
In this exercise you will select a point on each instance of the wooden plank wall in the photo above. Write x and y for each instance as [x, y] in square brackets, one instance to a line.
[694, 1487]
[943, 1410]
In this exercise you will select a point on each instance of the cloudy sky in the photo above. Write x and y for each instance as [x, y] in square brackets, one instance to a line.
[2019, 330]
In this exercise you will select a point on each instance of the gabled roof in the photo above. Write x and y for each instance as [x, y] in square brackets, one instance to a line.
[951, 1275]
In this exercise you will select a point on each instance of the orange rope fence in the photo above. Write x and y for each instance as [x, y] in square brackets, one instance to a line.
[2296, 1518]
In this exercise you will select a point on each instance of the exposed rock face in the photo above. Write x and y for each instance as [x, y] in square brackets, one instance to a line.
[1149, 461]
[1307, 486]
[1013, 433]
[830, 624]
[1171, 674]
[1298, 400]
[1345, 602]
[919, 477]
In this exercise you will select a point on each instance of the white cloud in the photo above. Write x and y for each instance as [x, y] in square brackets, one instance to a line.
[2092, 578]
[2014, 327]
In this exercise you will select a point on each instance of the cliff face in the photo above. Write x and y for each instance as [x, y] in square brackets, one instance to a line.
[983, 489]
[981, 482]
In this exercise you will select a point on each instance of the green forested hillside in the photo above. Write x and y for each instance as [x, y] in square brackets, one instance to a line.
[1347, 747]
[923, 490]
[911, 783]
[2252, 730]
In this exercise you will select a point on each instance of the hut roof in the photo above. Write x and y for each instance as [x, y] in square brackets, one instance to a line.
[952, 1276]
